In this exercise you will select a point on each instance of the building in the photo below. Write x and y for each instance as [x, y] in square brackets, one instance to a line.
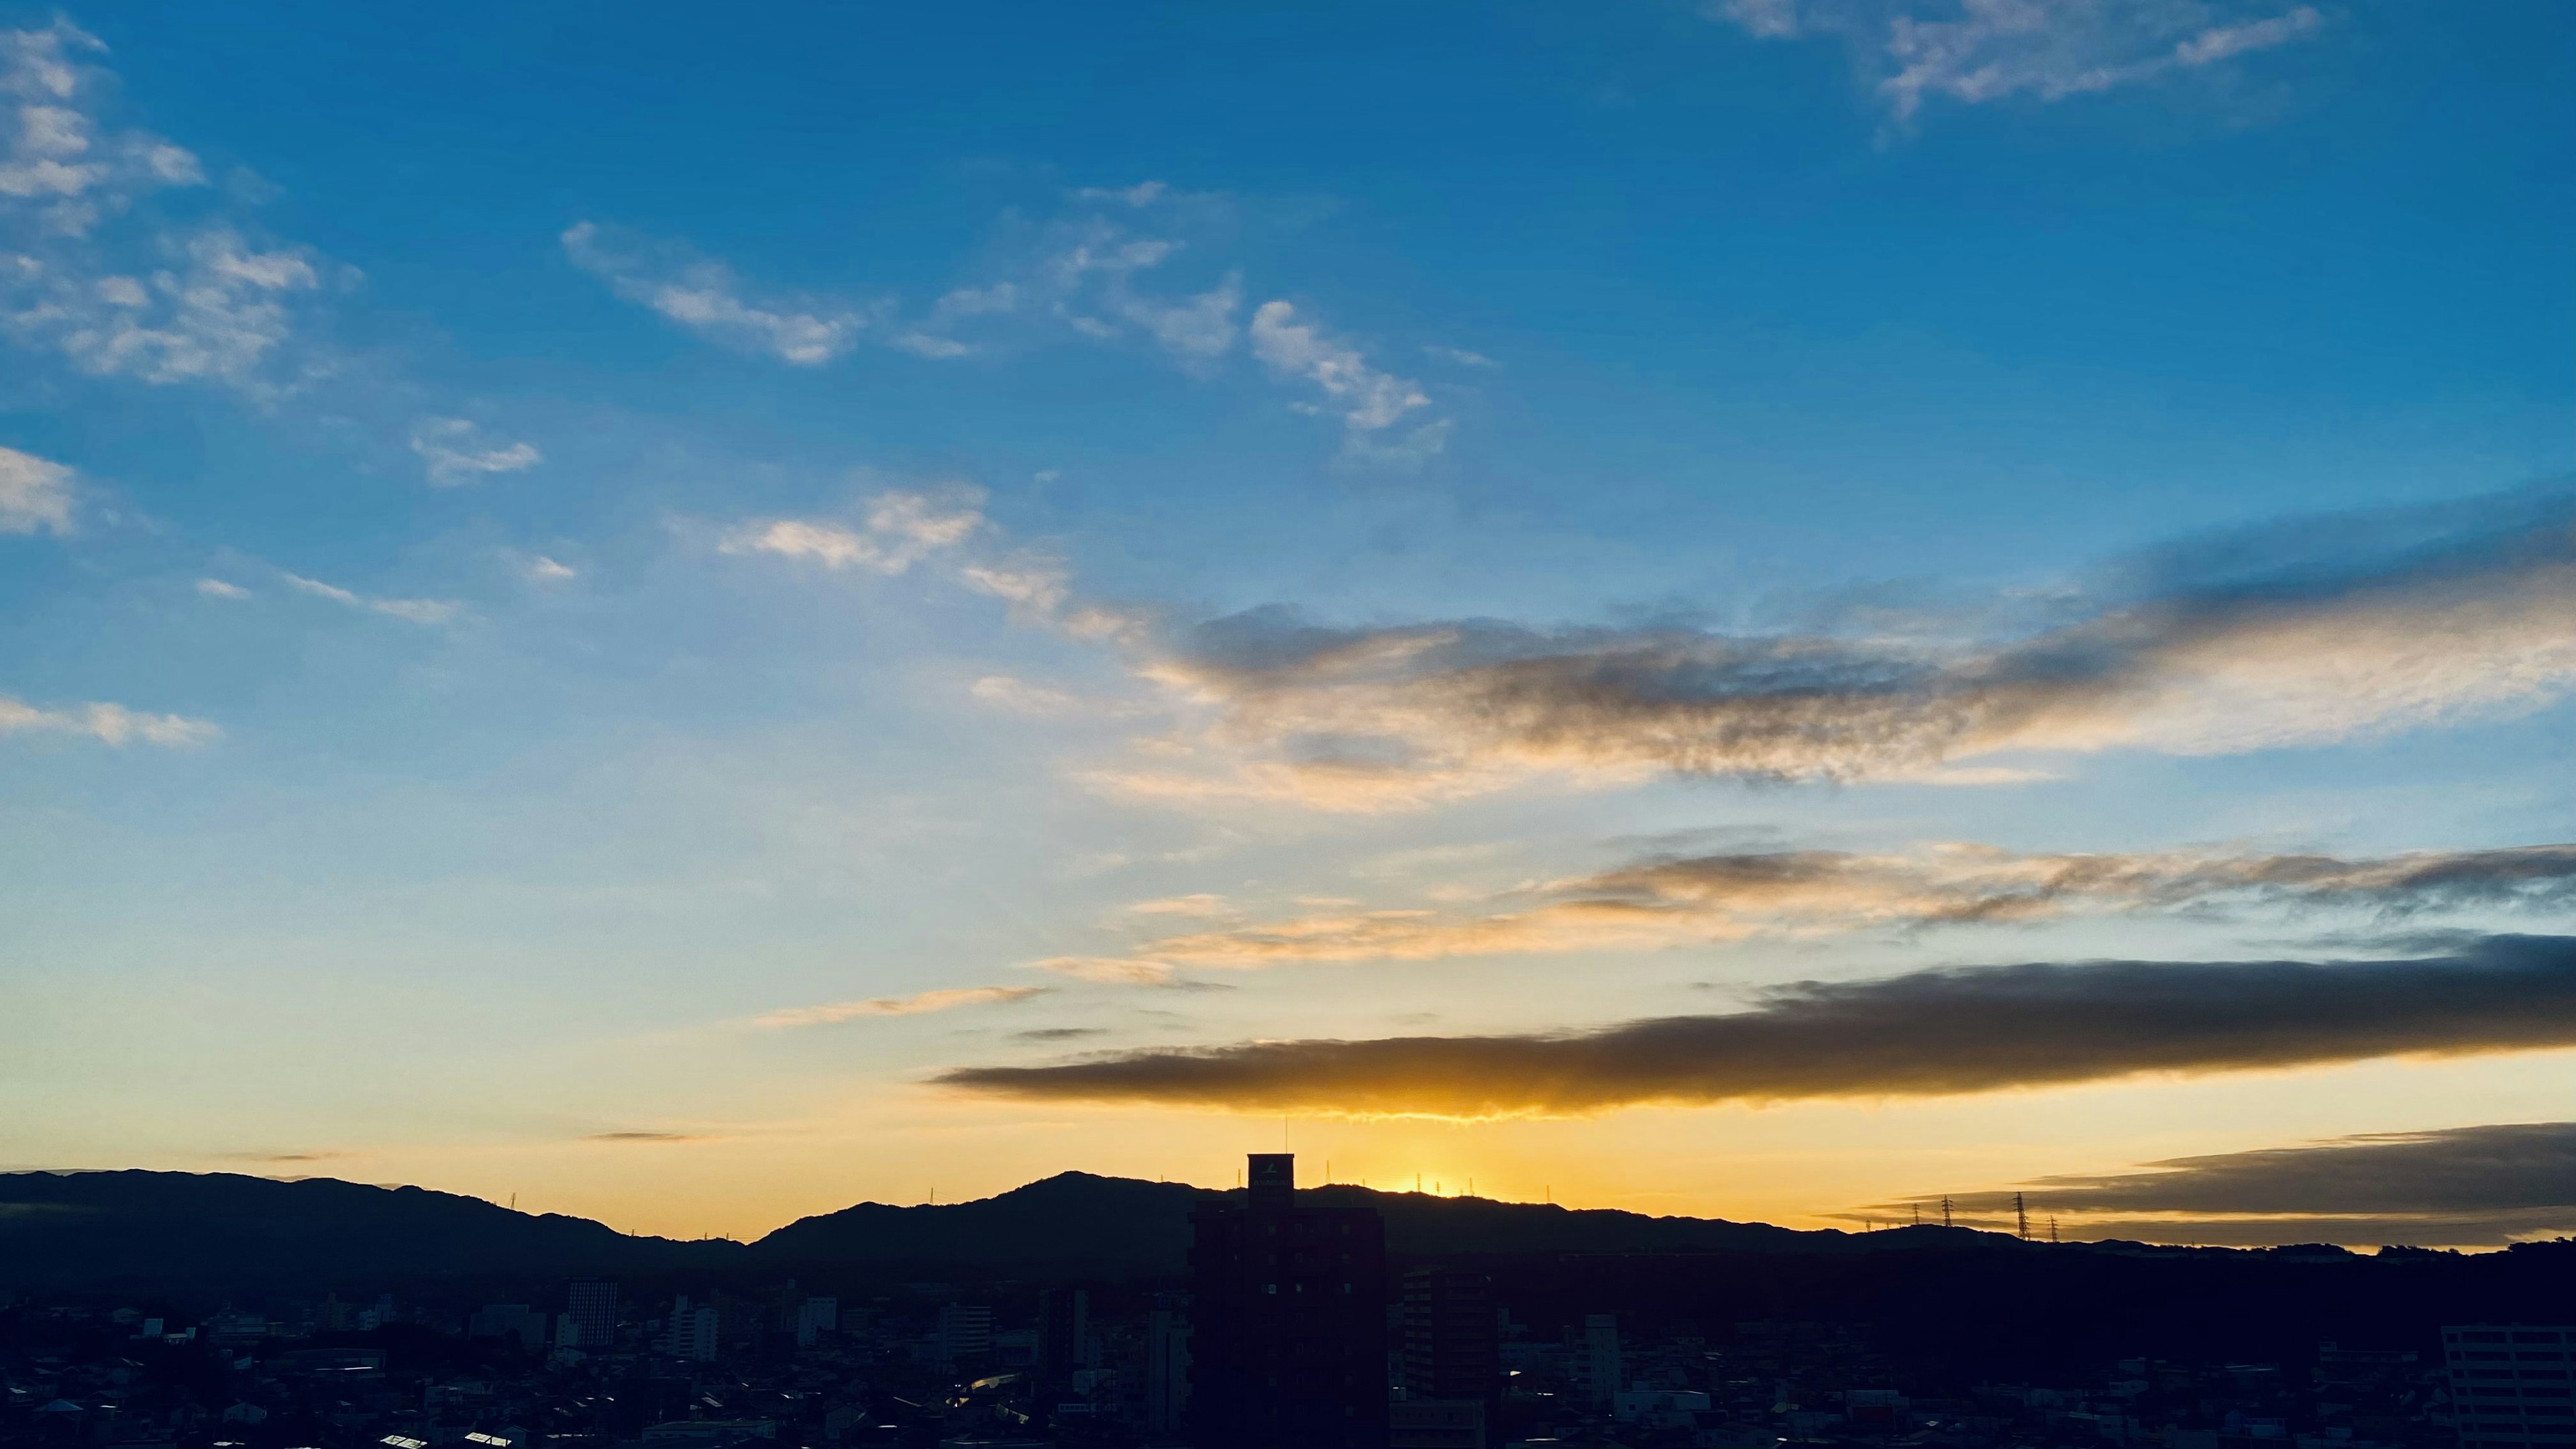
[1599, 1360]
[691, 1331]
[816, 1317]
[965, 1332]
[1167, 1371]
[591, 1304]
[1437, 1424]
[1064, 1339]
[508, 1320]
[1452, 1350]
[1287, 1318]
[2510, 1385]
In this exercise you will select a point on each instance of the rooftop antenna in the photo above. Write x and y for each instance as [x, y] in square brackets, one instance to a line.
[1945, 1210]
[2021, 1218]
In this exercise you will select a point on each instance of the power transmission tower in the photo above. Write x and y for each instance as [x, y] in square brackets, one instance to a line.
[2052, 1227]
[1945, 1210]
[2021, 1218]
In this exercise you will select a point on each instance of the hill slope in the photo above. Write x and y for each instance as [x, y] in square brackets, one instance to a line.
[173, 1228]
[176, 1228]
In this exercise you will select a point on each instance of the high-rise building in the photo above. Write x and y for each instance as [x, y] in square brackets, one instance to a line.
[965, 1331]
[1167, 1370]
[691, 1331]
[1452, 1349]
[2510, 1385]
[816, 1317]
[591, 1303]
[1287, 1318]
[1064, 1336]
[1600, 1361]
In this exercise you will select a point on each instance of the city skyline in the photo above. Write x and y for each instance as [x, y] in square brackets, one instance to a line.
[1764, 610]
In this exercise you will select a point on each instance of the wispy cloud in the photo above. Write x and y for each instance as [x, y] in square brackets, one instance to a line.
[1676, 900]
[706, 297]
[1928, 1033]
[2309, 633]
[94, 274]
[1108, 271]
[646, 1137]
[417, 611]
[1985, 50]
[901, 528]
[1370, 401]
[948, 999]
[1109, 970]
[2457, 1187]
[110, 724]
[455, 452]
[35, 494]
[1460, 356]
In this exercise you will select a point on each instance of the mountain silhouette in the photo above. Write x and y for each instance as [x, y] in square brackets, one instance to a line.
[100, 1228]
[116, 1228]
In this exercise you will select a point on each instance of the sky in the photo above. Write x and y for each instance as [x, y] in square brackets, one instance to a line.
[1772, 609]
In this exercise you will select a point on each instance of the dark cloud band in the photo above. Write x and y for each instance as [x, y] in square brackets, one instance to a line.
[2458, 1187]
[1929, 1033]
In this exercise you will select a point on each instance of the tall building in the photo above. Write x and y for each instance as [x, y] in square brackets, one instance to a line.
[816, 1317]
[691, 1331]
[2510, 1385]
[965, 1331]
[1167, 1371]
[1452, 1350]
[1287, 1318]
[591, 1303]
[1064, 1337]
[1602, 1367]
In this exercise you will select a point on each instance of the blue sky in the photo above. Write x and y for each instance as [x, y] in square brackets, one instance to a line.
[574, 572]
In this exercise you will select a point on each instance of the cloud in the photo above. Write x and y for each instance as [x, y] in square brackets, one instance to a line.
[110, 724]
[948, 999]
[1109, 970]
[543, 570]
[2457, 1187]
[59, 165]
[218, 589]
[1676, 900]
[1977, 51]
[1021, 697]
[115, 290]
[1460, 356]
[454, 452]
[35, 495]
[418, 611]
[1370, 401]
[282, 1156]
[645, 1137]
[1925, 1034]
[707, 298]
[1200, 904]
[2314, 632]
[901, 529]
[1060, 1033]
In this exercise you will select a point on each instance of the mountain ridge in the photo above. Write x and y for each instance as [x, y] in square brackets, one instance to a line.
[135, 1225]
